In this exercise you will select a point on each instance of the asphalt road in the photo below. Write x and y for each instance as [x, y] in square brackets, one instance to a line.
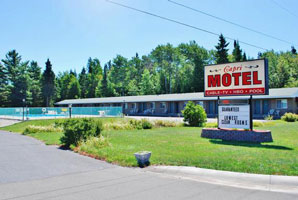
[31, 170]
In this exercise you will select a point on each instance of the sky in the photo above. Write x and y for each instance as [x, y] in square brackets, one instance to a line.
[68, 32]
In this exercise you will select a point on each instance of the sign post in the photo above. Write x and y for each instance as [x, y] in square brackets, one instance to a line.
[236, 79]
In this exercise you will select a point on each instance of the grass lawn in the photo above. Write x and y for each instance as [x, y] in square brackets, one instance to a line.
[184, 146]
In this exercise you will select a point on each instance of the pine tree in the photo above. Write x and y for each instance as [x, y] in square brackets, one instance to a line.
[18, 79]
[293, 50]
[73, 88]
[94, 77]
[35, 83]
[104, 82]
[237, 52]
[221, 50]
[244, 57]
[4, 89]
[83, 80]
[48, 84]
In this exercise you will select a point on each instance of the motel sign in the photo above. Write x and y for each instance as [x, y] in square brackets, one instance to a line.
[239, 78]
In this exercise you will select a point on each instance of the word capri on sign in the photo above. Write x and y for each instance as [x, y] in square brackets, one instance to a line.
[236, 116]
[239, 78]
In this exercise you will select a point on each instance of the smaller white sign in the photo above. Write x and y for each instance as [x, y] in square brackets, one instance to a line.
[234, 116]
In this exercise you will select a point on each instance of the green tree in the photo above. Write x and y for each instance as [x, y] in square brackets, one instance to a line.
[106, 89]
[94, 77]
[35, 83]
[293, 50]
[118, 75]
[48, 85]
[237, 52]
[18, 79]
[73, 88]
[147, 85]
[221, 50]
[4, 88]
[244, 57]
[83, 80]
[197, 57]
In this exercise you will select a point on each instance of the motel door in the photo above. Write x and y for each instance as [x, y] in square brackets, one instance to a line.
[176, 107]
[144, 106]
[265, 106]
[211, 107]
[171, 107]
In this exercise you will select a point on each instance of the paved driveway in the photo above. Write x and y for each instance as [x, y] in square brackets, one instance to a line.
[31, 170]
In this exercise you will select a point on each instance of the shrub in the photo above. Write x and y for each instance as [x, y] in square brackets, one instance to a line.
[290, 117]
[35, 129]
[117, 126]
[268, 117]
[80, 129]
[195, 115]
[94, 143]
[165, 123]
[136, 124]
[146, 124]
[258, 124]
[211, 125]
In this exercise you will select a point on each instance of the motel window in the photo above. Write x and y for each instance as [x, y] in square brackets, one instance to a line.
[201, 103]
[125, 106]
[281, 104]
[162, 105]
[152, 105]
[133, 106]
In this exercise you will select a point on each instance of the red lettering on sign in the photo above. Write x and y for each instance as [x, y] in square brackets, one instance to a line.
[236, 77]
[214, 81]
[256, 81]
[226, 80]
[246, 78]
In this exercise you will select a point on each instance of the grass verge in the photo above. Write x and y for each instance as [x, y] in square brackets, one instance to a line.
[184, 146]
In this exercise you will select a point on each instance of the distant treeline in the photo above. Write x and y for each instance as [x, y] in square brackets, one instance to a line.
[167, 69]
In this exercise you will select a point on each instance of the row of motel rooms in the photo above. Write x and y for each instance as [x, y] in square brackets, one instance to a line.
[278, 102]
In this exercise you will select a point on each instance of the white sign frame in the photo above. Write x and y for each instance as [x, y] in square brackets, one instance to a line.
[234, 116]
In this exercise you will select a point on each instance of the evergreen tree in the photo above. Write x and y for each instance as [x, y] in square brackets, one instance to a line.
[18, 79]
[48, 84]
[237, 52]
[94, 77]
[221, 50]
[35, 84]
[293, 50]
[4, 89]
[83, 80]
[244, 57]
[104, 82]
[73, 88]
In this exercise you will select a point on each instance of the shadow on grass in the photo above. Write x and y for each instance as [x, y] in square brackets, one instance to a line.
[246, 144]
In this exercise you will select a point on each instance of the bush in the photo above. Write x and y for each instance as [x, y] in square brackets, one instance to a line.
[94, 143]
[35, 129]
[268, 117]
[290, 117]
[195, 115]
[135, 124]
[80, 129]
[211, 125]
[146, 124]
[165, 123]
[258, 124]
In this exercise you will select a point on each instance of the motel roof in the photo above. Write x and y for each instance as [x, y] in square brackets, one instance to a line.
[273, 94]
